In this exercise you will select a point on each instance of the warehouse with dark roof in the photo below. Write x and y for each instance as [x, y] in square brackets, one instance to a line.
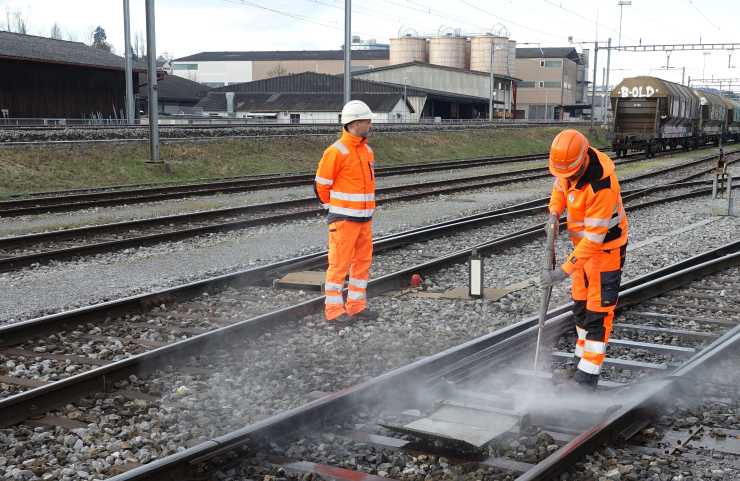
[46, 78]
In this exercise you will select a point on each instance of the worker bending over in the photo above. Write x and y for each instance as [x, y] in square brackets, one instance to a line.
[345, 185]
[585, 184]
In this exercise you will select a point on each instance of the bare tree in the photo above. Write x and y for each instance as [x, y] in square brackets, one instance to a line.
[277, 71]
[72, 35]
[166, 57]
[16, 21]
[88, 35]
[56, 31]
[139, 45]
[193, 75]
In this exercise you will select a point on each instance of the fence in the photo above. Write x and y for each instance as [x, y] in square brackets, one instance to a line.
[185, 121]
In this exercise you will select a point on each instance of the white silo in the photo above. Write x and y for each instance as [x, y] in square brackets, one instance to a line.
[448, 51]
[408, 49]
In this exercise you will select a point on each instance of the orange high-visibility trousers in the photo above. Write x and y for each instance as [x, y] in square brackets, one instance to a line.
[595, 292]
[350, 244]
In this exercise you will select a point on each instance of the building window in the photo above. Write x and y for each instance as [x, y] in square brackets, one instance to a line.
[185, 66]
[213, 84]
[295, 118]
[357, 68]
[525, 85]
[567, 85]
[551, 63]
[551, 85]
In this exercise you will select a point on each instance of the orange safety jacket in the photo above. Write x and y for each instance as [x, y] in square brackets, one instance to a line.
[345, 180]
[596, 218]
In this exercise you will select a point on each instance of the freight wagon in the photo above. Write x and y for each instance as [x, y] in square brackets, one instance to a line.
[653, 114]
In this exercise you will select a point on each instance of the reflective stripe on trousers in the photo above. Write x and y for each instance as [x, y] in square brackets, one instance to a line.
[350, 248]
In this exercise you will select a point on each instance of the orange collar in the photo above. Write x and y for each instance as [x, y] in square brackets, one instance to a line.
[349, 138]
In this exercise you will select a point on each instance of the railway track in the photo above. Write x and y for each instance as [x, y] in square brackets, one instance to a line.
[151, 329]
[63, 201]
[23, 251]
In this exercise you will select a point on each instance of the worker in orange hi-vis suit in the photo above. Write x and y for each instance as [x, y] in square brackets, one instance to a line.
[345, 185]
[585, 184]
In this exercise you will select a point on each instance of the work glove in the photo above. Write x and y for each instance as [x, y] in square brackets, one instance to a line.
[552, 277]
[555, 220]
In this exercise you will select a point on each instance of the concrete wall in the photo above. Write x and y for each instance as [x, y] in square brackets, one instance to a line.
[331, 67]
[217, 72]
[232, 72]
[399, 113]
[466, 83]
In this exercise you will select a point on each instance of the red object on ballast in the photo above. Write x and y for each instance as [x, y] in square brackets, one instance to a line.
[416, 280]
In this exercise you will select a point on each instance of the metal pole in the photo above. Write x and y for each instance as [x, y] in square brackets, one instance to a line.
[151, 71]
[490, 97]
[129, 75]
[593, 90]
[603, 94]
[404, 95]
[683, 76]
[546, 94]
[608, 62]
[621, 9]
[347, 51]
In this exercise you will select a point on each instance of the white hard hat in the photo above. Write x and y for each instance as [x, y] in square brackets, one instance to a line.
[356, 110]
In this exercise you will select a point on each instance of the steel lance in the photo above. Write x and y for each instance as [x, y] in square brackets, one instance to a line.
[549, 265]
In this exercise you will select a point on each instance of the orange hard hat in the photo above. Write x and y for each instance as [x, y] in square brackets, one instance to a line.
[567, 152]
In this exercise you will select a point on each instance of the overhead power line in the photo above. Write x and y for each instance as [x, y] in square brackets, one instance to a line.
[315, 21]
[518, 25]
[585, 18]
[707, 18]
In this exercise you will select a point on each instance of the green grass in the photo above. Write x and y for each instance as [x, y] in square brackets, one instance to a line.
[34, 170]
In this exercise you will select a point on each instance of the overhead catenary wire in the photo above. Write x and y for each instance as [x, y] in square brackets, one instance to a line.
[585, 18]
[707, 18]
[401, 20]
[315, 21]
[518, 25]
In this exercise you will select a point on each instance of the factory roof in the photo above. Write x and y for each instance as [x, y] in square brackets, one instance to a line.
[432, 66]
[49, 50]
[549, 52]
[171, 87]
[321, 82]
[300, 101]
[284, 55]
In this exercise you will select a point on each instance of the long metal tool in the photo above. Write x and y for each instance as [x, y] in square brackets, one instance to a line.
[548, 266]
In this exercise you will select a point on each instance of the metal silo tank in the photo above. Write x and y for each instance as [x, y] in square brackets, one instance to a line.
[480, 53]
[500, 55]
[408, 49]
[448, 51]
[512, 58]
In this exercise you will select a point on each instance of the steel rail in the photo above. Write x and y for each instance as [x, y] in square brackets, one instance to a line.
[15, 409]
[13, 208]
[304, 175]
[292, 424]
[12, 262]
[263, 126]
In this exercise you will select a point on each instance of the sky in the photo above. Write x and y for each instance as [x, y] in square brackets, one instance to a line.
[185, 27]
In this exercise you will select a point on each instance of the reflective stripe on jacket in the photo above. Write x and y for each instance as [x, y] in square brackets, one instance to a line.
[345, 180]
[596, 218]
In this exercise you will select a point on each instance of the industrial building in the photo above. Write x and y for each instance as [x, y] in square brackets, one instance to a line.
[453, 60]
[218, 69]
[425, 103]
[453, 81]
[302, 107]
[174, 95]
[553, 83]
[46, 78]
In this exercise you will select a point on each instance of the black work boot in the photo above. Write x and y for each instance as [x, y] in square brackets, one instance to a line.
[565, 374]
[343, 320]
[366, 315]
